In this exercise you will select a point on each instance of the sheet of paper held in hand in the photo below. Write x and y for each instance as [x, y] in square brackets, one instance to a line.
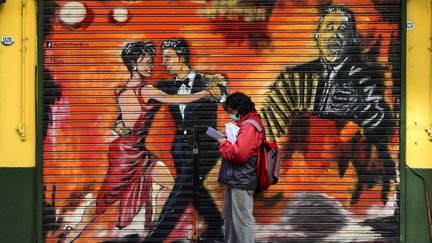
[214, 133]
[231, 132]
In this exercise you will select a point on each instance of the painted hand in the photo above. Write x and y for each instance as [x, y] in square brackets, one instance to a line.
[215, 90]
[121, 129]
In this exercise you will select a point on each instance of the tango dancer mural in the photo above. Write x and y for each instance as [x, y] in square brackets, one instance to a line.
[137, 83]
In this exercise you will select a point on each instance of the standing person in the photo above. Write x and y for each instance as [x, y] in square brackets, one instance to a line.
[191, 120]
[238, 170]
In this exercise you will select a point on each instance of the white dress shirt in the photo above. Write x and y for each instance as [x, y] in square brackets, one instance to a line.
[329, 85]
[183, 90]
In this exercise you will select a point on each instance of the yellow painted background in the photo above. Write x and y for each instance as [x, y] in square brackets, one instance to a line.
[13, 151]
[419, 100]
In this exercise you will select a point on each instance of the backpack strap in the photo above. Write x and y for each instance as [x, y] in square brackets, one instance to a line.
[254, 123]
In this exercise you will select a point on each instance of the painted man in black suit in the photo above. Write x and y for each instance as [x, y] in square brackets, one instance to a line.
[337, 86]
[194, 153]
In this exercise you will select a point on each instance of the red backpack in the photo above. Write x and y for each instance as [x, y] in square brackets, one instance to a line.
[268, 165]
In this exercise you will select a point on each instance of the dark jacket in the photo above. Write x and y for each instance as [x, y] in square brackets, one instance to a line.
[356, 93]
[239, 160]
[200, 113]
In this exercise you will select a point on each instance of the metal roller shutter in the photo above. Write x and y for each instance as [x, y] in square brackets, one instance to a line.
[122, 163]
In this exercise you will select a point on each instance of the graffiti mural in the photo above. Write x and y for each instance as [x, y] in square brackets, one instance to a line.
[137, 83]
[337, 87]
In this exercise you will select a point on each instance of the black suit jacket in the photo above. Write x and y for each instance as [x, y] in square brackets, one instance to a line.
[357, 95]
[199, 114]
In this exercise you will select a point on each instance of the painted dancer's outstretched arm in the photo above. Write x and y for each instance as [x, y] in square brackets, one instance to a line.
[150, 92]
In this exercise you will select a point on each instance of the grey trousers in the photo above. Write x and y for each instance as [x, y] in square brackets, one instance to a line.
[237, 214]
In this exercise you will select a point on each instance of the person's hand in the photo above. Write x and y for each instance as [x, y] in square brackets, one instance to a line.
[222, 140]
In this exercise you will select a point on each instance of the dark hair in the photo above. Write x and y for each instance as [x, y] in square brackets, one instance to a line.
[239, 102]
[180, 46]
[341, 10]
[135, 50]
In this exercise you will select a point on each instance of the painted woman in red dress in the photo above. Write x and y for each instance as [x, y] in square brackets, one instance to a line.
[128, 179]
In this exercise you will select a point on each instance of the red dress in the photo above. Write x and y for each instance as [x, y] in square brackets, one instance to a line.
[129, 179]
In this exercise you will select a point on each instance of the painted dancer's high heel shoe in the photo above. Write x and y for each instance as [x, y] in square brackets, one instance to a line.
[62, 237]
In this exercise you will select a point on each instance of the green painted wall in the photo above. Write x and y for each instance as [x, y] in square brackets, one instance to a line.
[17, 205]
[416, 224]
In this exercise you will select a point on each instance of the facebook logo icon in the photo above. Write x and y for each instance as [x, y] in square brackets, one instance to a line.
[49, 44]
